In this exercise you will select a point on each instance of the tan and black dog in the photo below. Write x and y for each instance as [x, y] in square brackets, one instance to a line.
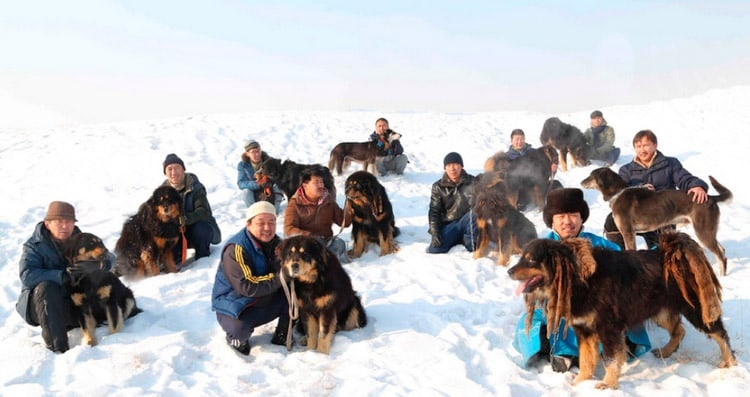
[639, 209]
[601, 293]
[372, 214]
[325, 297]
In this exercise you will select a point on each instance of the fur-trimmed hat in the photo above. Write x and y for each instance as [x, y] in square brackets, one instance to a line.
[60, 210]
[251, 144]
[260, 207]
[596, 113]
[563, 201]
[172, 159]
[453, 158]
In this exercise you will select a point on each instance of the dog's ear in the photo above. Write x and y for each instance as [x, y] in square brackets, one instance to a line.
[584, 256]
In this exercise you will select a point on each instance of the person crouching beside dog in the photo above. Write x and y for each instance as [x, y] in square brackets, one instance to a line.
[253, 191]
[392, 157]
[656, 171]
[601, 137]
[247, 288]
[450, 215]
[565, 213]
[312, 211]
[45, 296]
[201, 229]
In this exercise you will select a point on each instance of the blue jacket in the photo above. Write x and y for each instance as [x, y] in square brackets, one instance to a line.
[665, 173]
[531, 344]
[244, 276]
[513, 154]
[41, 260]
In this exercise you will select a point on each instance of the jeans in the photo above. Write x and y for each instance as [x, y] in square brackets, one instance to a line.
[463, 231]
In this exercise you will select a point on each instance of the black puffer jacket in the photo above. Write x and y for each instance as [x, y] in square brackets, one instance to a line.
[450, 201]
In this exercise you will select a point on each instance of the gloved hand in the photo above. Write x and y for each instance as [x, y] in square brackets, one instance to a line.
[436, 240]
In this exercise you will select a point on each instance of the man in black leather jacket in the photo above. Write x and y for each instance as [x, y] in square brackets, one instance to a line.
[451, 218]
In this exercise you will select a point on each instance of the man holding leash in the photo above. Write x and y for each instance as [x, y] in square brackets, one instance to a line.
[45, 299]
[392, 157]
[247, 288]
[565, 213]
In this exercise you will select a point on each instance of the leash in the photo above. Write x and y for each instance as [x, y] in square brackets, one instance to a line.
[291, 297]
[183, 251]
[343, 222]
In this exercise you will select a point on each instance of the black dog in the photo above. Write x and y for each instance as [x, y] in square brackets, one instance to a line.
[288, 175]
[527, 178]
[97, 294]
[327, 302]
[373, 219]
[566, 139]
[148, 237]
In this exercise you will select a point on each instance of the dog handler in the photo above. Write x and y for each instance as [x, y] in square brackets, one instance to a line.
[45, 298]
[247, 289]
[565, 212]
[391, 157]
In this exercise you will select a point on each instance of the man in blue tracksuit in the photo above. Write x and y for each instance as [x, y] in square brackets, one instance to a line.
[565, 212]
[247, 289]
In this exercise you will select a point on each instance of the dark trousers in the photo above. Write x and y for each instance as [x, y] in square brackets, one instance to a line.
[241, 328]
[198, 236]
[463, 231]
[54, 312]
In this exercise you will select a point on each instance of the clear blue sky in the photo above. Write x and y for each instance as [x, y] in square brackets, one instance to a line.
[101, 60]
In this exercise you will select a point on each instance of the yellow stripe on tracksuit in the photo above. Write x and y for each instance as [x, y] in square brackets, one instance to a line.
[246, 269]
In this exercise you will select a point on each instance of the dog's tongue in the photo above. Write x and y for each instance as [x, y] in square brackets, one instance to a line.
[522, 286]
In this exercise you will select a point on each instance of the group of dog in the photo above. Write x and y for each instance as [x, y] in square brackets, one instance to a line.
[571, 279]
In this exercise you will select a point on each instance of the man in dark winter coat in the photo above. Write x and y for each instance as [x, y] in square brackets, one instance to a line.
[650, 168]
[247, 288]
[45, 298]
[391, 157]
[201, 229]
[451, 218]
[252, 191]
[518, 145]
[601, 137]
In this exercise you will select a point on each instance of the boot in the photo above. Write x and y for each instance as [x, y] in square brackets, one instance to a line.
[239, 346]
[282, 329]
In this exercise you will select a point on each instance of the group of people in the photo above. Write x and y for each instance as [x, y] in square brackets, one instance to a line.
[247, 287]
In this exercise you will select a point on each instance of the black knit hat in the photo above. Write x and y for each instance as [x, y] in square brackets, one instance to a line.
[172, 159]
[596, 113]
[563, 201]
[452, 158]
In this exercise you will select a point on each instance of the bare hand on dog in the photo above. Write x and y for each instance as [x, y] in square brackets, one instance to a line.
[698, 194]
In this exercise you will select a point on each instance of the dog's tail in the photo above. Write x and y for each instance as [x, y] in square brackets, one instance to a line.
[686, 265]
[724, 193]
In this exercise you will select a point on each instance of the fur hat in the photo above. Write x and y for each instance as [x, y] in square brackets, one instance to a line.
[260, 207]
[451, 158]
[252, 144]
[60, 210]
[172, 159]
[597, 113]
[565, 200]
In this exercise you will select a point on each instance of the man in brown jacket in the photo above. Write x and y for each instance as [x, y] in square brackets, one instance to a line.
[312, 211]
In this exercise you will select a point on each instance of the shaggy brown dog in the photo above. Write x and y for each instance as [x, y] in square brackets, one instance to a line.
[373, 220]
[639, 209]
[287, 175]
[362, 152]
[528, 177]
[97, 294]
[325, 297]
[602, 293]
[497, 220]
[566, 139]
[148, 237]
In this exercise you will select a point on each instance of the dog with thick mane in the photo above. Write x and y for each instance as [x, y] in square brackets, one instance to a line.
[287, 175]
[148, 238]
[98, 295]
[326, 300]
[498, 220]
[601, 293]
[640, 209]
[363, 152]
[566, 139]
[373, 220]
[527, 177]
